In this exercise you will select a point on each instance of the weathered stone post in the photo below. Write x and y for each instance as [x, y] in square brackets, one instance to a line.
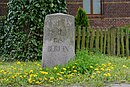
[59, 39]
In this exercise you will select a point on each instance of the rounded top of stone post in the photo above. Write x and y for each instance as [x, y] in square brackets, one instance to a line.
[60, 14]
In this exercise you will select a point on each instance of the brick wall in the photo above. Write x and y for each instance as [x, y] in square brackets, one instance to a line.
[116, 9]
[3, 7]
[115, 13]
[73, 6]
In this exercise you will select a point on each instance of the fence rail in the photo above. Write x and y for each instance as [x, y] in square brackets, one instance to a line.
[115, 41]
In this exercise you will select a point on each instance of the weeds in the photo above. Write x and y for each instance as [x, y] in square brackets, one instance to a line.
[86, 69]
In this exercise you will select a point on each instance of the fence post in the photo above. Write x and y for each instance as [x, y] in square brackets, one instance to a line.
[108, 42]
[118, 41]
[87, 38]
[112, 41]
[105, 41]
[92, 39]
[122, 42]
[78, 37]
[127, 42]
[97, 39]
[101, 41]
[83, 38]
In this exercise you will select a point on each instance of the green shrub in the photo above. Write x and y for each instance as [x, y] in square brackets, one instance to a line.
[81, 18]
[24, 27]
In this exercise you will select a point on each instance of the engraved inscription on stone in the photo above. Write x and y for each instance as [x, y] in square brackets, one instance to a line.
[59, 39]
[57, 48]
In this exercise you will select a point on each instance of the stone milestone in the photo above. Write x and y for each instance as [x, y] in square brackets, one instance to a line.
[59, 40]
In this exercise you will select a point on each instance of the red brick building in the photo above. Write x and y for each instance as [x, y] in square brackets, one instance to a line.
[103, 13]
[3, 7]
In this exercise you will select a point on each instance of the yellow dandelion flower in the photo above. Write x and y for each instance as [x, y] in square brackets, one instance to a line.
[105, 74]
[72, 73]
[78, 74]
[43, 72]
[109, 64]
[34, 75]
[10, 72]
[60, 78]
[24, 76]
[108, 74]
[31, 71]
[55, 68]
[108, 69]
[92, 77]
[73, 66]
[64, 69]
[37, 82]
[12, 77]
[2, 71]
[38, 65]
[58, 73]
[31, 75]
[5, 73]
[21, 76]
[15, 75]
[96, 69]
[69, 75]
[51, 78]
[94, 73]
[62, 72]
[69, 71]
[75, 71]
[18, 63]
[40, 68]
[102, 69]
[111, 67]
[124, 66]
[91, 66]
[14, 68]
[45, 78]
[40, 79]
[104, 65]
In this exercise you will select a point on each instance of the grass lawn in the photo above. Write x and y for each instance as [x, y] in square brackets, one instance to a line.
[88, 69]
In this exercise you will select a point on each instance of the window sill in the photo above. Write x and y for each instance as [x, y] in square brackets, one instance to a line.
[94, 16]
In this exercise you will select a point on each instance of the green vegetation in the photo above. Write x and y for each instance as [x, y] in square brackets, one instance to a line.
[81, 18]
[22, 36]
[89, 69]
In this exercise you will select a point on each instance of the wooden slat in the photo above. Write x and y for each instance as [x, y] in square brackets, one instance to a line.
[114, 44]
[101, 41]
[97, 39]
[78, 37]
[127, 42]
[108, 42]
[83, 38]
[113, 41]
[122, 42]
[105, 41]
[92, 39]
[87, 38]
[118, 41]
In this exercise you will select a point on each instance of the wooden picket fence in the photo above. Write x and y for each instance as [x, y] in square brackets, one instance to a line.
[115, 41]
